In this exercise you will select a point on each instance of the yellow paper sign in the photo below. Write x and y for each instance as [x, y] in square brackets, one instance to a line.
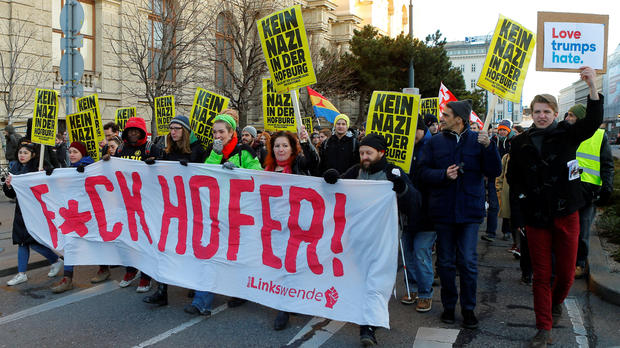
[45, 118]
[122, 115]
[429, 106]
[81, 127]
[395, 115]
[164, 113]
[278, 112]
[307, 121]
[285, 46]
[91, 102]
[206, 106]
[507, 61]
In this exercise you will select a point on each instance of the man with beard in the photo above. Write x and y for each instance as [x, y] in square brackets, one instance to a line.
[249, 137]
[373, 165]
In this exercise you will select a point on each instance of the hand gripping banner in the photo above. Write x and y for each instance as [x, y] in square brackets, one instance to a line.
[294, 243]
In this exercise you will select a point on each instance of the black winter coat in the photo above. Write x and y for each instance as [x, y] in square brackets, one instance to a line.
[540, 179]
[20, 232]
[198, 154]
[308, 163]
[340, 154]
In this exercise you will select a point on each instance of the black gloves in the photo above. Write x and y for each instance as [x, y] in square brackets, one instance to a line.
[229, 165]
[183, 162]
[331, 176]
[399, 182]
[49, 171]
[80, 168]
[106, 157]
[150, 160]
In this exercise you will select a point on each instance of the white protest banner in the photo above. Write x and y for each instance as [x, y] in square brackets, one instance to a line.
[568, 41]
[294, 243]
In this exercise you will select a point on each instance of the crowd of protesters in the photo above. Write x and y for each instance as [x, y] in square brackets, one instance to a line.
[542, 185]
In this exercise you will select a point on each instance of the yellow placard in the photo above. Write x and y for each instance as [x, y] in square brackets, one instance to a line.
[45, 118]
[278, 112]
[164, 113]
[395, 115]
[206, 106]
[307, 121]
[91, 102]
[285, 46]
[507, 61]
[429, 106]
[81, 127]
[122, 115]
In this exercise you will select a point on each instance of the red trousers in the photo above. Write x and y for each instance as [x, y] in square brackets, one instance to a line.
[561, 240]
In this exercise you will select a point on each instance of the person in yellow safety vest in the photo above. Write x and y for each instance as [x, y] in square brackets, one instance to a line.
[597, 173]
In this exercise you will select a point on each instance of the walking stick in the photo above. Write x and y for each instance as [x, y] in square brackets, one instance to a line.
[402, 254]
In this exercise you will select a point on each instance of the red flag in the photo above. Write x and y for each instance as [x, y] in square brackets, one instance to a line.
[445, 96]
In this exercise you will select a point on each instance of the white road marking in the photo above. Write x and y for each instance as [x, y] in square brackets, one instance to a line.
[179, 328]
[581, 335]
[431, 337]
[63, 301]
[321, 335]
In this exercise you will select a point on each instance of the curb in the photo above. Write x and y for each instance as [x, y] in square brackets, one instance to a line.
[601, 281]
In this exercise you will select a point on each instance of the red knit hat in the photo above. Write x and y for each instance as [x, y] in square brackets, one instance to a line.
[78, 145]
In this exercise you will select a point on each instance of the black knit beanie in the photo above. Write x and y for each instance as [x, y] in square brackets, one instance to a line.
[376, 141]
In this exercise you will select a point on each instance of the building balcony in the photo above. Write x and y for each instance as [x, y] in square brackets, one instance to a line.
[91, 81]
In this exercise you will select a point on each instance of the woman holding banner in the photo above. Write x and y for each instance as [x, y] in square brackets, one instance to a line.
[27, 162]
[228, 151]
[183, 146]
[284, 155]
[78, 156]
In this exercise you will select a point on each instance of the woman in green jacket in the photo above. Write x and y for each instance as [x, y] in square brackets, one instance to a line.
[227, 150]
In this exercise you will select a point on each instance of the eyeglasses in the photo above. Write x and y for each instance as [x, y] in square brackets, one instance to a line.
[175, 128]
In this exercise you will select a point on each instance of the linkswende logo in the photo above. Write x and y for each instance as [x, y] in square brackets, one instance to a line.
[271, 287]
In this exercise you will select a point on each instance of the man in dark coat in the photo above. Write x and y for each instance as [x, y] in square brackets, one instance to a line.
[453, 166]
[11, 143]
[340, 151]
[373, 165]
[544, 175]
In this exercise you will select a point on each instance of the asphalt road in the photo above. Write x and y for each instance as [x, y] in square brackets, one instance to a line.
[106, 315]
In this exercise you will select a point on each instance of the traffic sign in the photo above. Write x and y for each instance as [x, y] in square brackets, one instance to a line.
[71, 66]
[71, 17]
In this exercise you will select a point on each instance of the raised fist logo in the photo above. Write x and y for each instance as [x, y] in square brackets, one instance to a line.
[331, 295]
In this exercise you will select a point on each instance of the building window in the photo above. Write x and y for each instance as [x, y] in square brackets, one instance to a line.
[473, 67]
[87, 31]
[161, 38]
[473, 84]
[224, 65]
[500, 115]
[462, 68]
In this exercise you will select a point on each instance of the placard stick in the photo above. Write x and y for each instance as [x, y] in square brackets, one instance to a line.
[41, 157]
[490, 112]
[297, 111]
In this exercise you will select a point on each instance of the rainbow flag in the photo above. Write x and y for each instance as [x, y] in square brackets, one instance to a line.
[322, 107]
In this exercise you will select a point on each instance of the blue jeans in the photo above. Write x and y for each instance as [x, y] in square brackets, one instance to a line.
[203, 300]
[493, 210]
[417, 248]
[456, 247]
[586, 215]
[23, 255]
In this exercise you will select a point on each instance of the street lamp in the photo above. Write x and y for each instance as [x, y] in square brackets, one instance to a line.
[411, 72]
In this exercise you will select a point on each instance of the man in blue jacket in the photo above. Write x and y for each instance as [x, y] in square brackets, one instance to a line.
[453, 165]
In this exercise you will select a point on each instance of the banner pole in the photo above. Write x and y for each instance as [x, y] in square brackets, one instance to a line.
[41, 153]
[490, 112]
[297, 111]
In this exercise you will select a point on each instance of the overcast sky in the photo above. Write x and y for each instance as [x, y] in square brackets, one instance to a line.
[457, 19]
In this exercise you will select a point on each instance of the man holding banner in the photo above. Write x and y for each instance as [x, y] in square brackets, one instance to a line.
[453, 165]
[544, 175]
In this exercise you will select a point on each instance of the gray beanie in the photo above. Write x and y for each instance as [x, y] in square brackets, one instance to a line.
[250, 130]
[461, 108]
[183, 121]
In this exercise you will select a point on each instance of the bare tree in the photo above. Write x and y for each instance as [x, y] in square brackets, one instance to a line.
[161, 48]
[236, 54]
[21, 67]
